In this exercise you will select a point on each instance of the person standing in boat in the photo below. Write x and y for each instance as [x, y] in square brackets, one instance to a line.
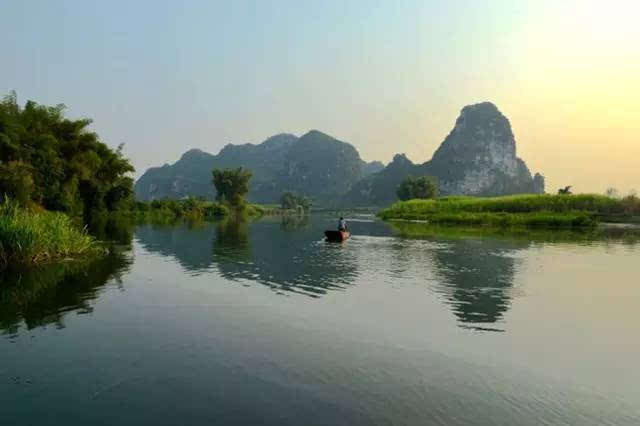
[342, 224]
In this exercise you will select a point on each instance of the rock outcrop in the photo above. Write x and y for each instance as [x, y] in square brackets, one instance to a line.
[478, 157]
[379, 188]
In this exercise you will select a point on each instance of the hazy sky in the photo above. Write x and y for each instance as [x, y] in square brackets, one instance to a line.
[387, 76]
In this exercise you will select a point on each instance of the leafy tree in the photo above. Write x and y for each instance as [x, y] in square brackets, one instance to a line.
[291, 200]
[232, 185]
[565, 191]
[417, 187]
[58, 163]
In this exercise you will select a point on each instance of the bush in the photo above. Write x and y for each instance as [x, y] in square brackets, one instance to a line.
[423, 187]
[291, 201]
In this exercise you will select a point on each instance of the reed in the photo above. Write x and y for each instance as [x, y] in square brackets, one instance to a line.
[30, 236]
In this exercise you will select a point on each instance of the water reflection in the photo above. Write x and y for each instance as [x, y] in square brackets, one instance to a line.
[284, 253]
[295, 261]
[189, 244]
[476, 277]
[476, 267]
[43, 295]
[473, 269]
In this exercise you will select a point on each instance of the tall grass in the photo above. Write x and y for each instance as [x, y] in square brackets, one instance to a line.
[516, 210]
[29, 236]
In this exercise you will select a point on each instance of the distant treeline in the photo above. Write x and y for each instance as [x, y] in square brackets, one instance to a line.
[193, 209]
[58, 163]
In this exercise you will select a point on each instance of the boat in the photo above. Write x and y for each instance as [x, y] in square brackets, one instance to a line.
[336, 236]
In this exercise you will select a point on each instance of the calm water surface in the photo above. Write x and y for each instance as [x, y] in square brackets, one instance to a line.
[264, 323]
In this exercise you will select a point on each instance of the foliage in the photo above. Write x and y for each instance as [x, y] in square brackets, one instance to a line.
[192, 210]
[553, 210]
[56, 162]
[291, 200]
[168, 210]
[28, 236]
[565, 191]
[417, 187]
[232, 185]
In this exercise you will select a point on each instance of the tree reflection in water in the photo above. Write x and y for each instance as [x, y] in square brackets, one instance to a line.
[474, 270]
[287, 262]
[43, 295]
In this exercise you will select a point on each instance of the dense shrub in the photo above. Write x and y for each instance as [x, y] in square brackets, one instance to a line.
[423, 187]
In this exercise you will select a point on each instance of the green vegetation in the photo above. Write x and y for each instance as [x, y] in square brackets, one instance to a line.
[517, 210]
[232, 186]
[565, 191]
[57, 163]
[168, 211]
[292, 201]
[30, 236]
[194, 210]
[413, 187]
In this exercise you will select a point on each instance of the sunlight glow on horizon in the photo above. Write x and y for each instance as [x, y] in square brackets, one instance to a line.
[388, 77]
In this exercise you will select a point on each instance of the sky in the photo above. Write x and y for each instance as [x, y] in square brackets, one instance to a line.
[387, 76]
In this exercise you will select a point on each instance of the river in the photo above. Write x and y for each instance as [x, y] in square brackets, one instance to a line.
[238, 323]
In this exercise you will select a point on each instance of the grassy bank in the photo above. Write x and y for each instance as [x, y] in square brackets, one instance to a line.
[562, 211]
[30, 236]
[191, 209]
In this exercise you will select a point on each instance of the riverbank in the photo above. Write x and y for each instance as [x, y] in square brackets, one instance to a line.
[558, 211]
[31, 236]
[169, 211]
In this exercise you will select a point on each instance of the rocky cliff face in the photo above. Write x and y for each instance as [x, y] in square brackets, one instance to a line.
[479, 157]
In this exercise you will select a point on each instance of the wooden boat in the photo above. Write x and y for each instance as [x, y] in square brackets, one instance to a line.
[336, 236]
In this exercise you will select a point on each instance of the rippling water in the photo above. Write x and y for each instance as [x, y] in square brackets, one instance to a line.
[264, 323]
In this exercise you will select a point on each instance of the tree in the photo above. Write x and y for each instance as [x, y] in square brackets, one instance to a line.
[232, 185]
[565, 191]
[59, 163]
[417, 187]
[290, 200]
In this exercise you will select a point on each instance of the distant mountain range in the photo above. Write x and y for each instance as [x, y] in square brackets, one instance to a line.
[478, 157]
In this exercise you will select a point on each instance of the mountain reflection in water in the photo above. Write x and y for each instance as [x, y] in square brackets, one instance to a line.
[473, 273]
[262, 322]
